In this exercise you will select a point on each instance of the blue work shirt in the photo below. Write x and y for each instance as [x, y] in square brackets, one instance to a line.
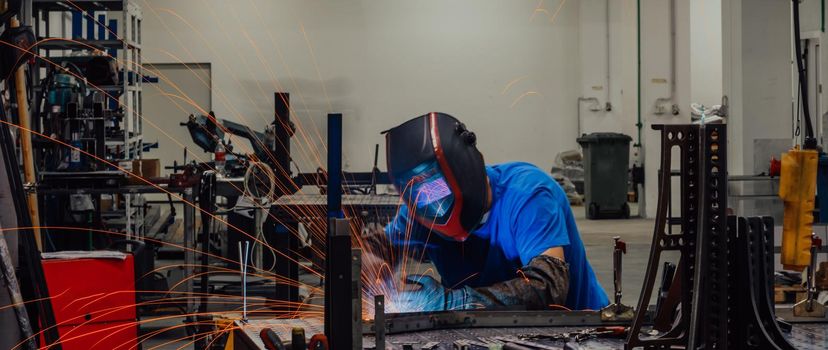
[529, 214]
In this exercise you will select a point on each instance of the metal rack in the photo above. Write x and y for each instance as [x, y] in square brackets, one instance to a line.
[83, 28]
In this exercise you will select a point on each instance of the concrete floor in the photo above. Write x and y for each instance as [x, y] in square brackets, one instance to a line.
[597, 236]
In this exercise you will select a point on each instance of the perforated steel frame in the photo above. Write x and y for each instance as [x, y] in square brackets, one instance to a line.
[752, 319]
[726, 260]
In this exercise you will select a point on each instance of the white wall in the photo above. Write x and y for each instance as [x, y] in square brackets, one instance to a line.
[656, 81]
[706, 47]
[758, 66]
[383, 62]
[513, 71]
[694, 74]
[608, 54]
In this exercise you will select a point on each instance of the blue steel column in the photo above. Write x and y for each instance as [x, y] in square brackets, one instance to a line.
[338, 270]
[335, 165]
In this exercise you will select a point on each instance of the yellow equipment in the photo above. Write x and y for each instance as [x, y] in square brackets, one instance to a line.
[797, 189]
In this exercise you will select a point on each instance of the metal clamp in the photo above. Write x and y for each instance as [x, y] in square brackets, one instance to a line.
[617, 311]
[809, 307]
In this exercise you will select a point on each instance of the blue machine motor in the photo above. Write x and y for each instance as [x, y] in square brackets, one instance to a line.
[65, 89]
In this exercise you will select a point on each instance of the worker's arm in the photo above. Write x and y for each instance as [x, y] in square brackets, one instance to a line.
[555, 252]
[541, 233]
[539, 284]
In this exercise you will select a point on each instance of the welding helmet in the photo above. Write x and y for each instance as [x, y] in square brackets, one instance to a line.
[434, 163]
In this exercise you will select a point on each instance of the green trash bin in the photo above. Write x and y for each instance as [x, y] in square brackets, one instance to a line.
[606, 160]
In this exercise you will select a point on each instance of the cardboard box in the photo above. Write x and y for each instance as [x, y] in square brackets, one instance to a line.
[146, 168]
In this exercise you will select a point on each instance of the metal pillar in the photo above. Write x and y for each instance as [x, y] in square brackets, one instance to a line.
[356, 298]
[284, 241]
[285, 265]
[189, 248]
[283, 130]
[206, 203]
[338, 270]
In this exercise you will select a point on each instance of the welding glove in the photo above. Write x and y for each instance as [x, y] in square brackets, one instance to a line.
[538, 285]
[427, 294]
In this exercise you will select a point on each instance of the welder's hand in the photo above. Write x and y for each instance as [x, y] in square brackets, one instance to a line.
[421, 293]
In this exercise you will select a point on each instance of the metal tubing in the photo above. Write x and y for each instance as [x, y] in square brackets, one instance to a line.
[7, 271]
[189, 245]
[26, 143]
[206, 203]
[335, 165]
[338, 280]
[616, 261]
[356, 297]
[379, 322]
[281, 143]
[338, 245]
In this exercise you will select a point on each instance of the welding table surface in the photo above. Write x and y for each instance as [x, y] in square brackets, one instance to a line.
[347, 200]
[806, 336]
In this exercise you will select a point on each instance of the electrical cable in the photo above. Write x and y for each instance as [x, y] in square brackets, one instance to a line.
[257, 198]
[810, 140]
[798, 115]
[249, 174]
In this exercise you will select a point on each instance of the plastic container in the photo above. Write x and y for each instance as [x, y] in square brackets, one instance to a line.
[219, 156]
[606, 161]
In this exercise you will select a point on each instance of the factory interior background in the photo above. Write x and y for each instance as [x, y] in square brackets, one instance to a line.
[169, 166]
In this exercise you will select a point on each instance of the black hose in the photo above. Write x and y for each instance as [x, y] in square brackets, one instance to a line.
[810, 140]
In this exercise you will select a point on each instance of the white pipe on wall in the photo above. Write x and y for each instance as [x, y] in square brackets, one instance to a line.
[608, 105]
[595, 106]
[659, 102]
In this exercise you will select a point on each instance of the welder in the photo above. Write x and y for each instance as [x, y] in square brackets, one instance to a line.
[500, 236]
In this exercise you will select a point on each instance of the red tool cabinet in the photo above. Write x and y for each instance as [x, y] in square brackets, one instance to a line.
[94, 301]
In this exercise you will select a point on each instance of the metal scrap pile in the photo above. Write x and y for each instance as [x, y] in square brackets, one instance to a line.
[568, 171]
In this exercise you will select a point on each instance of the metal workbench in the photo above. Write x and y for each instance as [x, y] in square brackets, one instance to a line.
[804, 336]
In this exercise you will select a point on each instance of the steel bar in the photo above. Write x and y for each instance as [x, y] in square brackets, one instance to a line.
[189, 249]
[379, 322]
[206, 204]
[356, 298]
[7, 270]
[338, 278]
[338, 310]
[427, 321]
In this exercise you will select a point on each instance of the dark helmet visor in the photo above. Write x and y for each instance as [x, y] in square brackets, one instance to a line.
[425, 190]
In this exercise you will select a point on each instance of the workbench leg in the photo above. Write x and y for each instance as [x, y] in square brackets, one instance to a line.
[286, 264]
[189, 253]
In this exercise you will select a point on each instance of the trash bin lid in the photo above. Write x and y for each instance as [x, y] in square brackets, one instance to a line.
[604, 137]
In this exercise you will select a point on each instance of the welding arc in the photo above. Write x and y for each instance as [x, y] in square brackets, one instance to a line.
[810, 141]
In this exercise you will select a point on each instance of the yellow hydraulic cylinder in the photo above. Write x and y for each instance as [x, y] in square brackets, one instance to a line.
[797, 189]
